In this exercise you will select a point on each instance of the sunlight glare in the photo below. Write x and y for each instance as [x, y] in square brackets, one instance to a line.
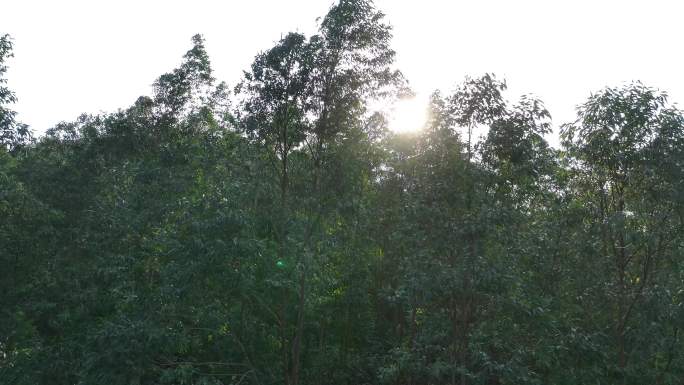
[408, 115]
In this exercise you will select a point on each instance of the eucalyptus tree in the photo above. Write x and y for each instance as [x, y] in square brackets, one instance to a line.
[467, 227]
[308, 98]
[441, 191]
[13, 134]
[25, 228]
[275, 116]
[477, 102]
[522, 246]
[354, 66]
[625, 150]
[143, 202]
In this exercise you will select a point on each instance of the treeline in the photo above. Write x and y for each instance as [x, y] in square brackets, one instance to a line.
[279, 233]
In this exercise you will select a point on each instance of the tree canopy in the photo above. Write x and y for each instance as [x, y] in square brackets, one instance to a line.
[277, 232]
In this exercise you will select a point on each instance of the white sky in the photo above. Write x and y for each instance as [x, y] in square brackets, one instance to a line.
[75, 56]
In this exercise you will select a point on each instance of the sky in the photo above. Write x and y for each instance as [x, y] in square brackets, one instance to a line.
[76, 56]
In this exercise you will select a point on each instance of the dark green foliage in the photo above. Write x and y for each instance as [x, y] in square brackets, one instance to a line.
[291, 238]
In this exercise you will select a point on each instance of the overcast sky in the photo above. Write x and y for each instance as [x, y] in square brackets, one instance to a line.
[76, 56]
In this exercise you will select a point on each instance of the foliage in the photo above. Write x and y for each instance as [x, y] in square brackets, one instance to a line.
[283, 235]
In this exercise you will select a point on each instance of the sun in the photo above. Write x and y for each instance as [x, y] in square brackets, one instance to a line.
[408, 115]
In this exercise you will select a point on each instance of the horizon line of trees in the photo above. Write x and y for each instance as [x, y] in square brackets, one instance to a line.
[279, 233]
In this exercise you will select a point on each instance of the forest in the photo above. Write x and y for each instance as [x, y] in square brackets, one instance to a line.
[276, 231]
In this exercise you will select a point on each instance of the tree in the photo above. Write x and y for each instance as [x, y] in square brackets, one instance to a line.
[623, 145]
[307, 97]
[13, 135]
[291, 238]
